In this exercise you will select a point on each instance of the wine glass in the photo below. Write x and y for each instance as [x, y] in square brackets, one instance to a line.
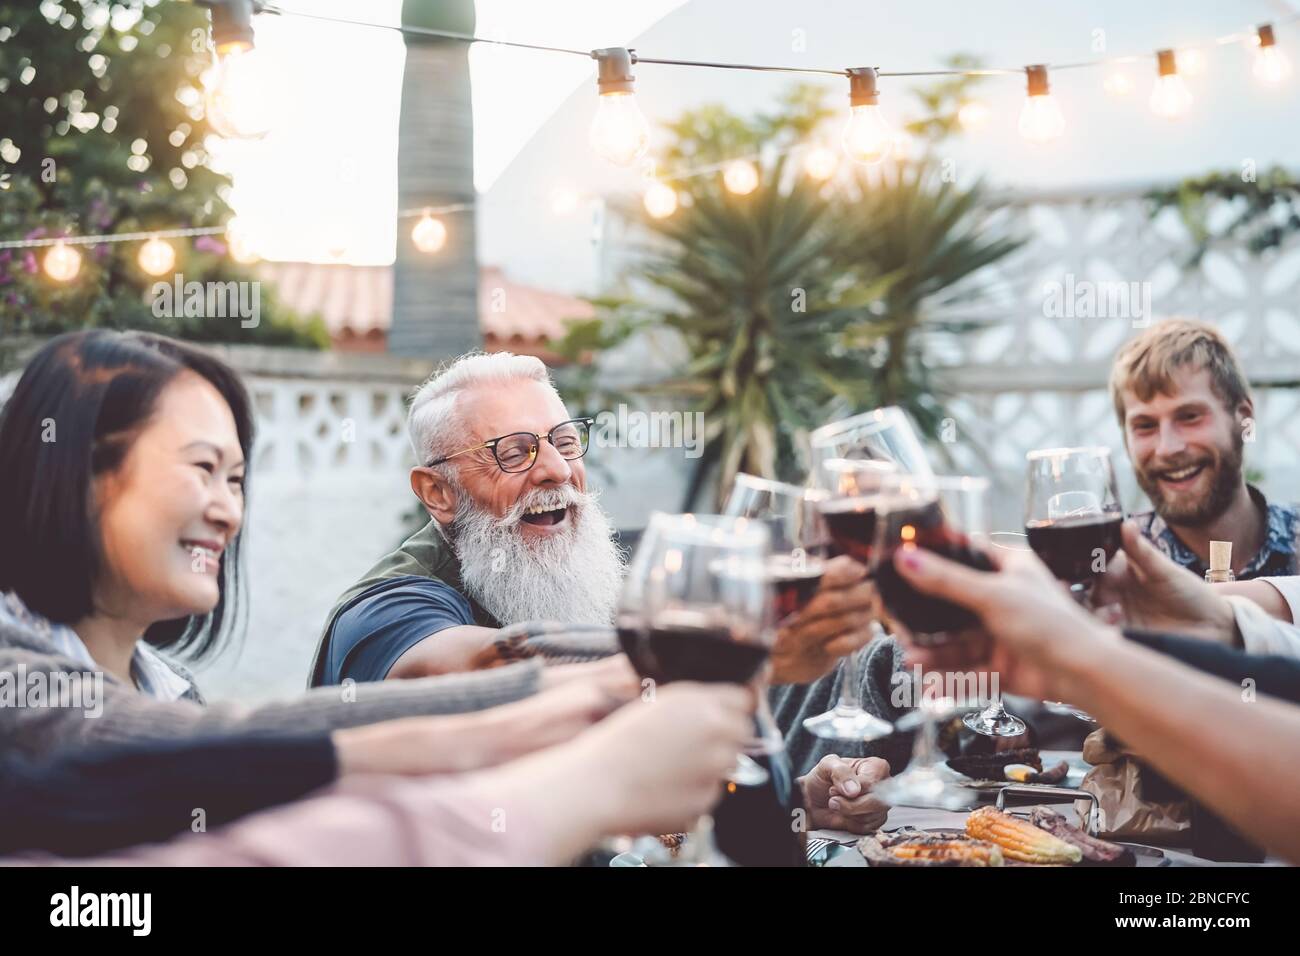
[848, 517]
[1073, 514]
[883, 434]
[697, 605]
[795, 565]
[1072, 520]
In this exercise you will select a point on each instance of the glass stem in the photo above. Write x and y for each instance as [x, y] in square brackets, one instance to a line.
[927, 738]
[851, 684]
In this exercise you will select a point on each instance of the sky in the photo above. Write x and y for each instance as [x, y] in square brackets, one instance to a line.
[321, 186]
[336, 123]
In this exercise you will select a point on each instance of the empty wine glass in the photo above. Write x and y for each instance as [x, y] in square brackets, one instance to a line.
[883, 434]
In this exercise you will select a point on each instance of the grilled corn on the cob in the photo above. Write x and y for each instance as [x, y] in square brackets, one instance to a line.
[1019, 839]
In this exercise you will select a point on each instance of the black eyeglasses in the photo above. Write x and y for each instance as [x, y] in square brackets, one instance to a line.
[517, 451]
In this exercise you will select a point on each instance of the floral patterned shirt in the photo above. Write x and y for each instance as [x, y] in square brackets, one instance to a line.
[1276, 557]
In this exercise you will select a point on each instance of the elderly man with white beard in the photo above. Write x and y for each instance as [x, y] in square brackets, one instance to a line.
[514, 536]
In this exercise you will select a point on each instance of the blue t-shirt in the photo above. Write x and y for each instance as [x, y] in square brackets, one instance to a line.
[386, 621]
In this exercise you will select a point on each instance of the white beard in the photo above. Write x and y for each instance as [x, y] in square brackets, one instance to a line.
[573, 577]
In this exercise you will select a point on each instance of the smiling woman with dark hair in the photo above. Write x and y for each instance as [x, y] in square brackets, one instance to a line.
[121, 506]
[122, 498]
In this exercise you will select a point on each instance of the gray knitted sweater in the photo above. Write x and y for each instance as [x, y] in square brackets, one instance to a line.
[40, 712]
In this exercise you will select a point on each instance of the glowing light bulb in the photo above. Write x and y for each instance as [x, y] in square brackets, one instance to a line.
[1170, 97]
[157, 257]
[62, 262]
[429, 234]
[740, 177]
[1118, 83]
[242, 95]
[564, 201]
[619, 132]
[1271, 65]
[660, 200]
[867, 138]
[973, 116]
[820, 162]
[1191, 62]
[1041, 120]
[239, 244]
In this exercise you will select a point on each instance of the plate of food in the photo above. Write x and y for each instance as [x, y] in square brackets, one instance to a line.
[990, 772]
[995, 838]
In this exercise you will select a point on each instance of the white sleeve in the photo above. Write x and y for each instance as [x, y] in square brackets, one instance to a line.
[1261, 632]
[1289, 588]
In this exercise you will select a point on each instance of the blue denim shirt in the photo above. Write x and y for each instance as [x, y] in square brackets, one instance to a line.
[1277, 556]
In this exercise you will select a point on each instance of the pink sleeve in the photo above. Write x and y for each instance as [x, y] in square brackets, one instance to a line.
[375, 821]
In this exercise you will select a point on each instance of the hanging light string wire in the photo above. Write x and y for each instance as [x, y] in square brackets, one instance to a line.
[1230, 38]
[271, 8]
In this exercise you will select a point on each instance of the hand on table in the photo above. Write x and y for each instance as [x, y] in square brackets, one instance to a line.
[835, 623]
[837, 793]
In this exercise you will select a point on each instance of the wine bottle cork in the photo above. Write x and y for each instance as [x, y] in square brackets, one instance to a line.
[1220, 555]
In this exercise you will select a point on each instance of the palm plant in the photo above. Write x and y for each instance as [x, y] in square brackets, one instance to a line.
[799, 300]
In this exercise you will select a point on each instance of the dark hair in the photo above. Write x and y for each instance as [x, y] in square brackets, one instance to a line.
[96, 389]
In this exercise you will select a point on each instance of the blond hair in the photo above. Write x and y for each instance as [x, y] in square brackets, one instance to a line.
[1146, 365]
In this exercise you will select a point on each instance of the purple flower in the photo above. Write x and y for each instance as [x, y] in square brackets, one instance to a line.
[210, 244]
[29, 263]
[37, 233]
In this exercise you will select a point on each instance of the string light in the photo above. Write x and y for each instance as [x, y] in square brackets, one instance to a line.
[62, 262]
[157, 257]
[619, 132]
[239, 244]
[973, 116]
[660, 200]
[1118, 83]
[867, 137]
[1040, 118]
[429, 234]
[1170, 97]
[240, 88]
[1191, 62]
[1271, 65]
[820, 162]
[238, 106]
[740, 176]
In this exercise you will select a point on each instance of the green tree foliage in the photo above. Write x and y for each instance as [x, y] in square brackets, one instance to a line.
[1263, 210]
[102, 131]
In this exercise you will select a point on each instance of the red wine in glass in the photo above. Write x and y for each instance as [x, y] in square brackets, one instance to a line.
[922, 525]
[851, 523]
[795, 580]
[679, 648]
[1070, 546]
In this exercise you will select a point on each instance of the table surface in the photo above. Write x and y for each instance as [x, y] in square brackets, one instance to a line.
[930, 819]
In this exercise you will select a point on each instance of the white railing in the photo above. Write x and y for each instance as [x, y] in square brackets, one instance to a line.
[1029, 377]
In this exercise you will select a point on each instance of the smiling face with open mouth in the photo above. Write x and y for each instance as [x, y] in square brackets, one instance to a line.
[542, 501]
[168, 513]
[1186, 449]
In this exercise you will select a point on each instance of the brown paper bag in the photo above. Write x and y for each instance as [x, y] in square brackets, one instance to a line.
[1133, 802]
